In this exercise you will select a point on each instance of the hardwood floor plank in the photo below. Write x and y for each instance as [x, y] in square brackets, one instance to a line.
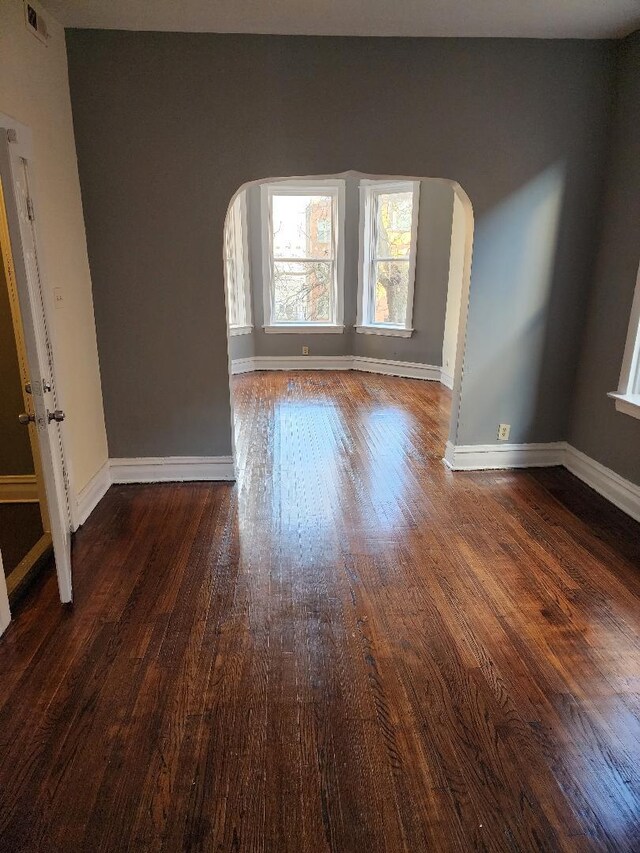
[350, 649]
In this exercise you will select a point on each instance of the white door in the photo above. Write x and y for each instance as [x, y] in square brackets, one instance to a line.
[19, 206]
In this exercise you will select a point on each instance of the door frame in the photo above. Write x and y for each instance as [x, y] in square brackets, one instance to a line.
[40, 331]
[23, 369]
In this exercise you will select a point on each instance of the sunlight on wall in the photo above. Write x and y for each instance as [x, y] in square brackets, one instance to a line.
[516, 268]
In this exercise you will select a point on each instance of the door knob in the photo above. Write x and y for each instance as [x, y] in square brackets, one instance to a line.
[26, 419]
[57, 416]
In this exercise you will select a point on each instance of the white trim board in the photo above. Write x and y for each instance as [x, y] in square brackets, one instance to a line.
[446, 379]
[406, 369]
[291, 362]
[242, 365]
[387, 367]
[480, 457]
[18, 488]
[622, 493]
[89, 496]
[171, 469]
[154, 469]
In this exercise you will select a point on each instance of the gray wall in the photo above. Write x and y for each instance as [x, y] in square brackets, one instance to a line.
[241, 346]
[15, 449]
[169, 125]
[597, 429]
[432, 270]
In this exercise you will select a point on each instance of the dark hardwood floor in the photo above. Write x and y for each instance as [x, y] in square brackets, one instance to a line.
[352, 649]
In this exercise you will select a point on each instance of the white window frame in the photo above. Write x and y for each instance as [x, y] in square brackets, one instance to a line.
[627, 397]
[237, 220]
[336, 190]
[369, 192]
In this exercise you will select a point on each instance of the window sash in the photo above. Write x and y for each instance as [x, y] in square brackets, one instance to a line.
[303, 262]
[236, 266]
[370, 213]
[334, 191]
[307, 194]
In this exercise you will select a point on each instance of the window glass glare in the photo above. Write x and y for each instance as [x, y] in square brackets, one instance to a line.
[393, 224]
[302, 226]
[235, 273]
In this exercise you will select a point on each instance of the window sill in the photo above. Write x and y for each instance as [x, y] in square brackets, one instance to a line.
[629, 404]
[392, 331]
[304, 328]
[240, 330]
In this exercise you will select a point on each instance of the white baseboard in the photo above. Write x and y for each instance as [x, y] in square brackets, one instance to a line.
[156, 469]
[387, 367]
[405, 369]
[622, 493]
[446, 379]
[18, 488]
[294, 362]
[89, 497]
[242, 365]
[169, 469]
[480, 457]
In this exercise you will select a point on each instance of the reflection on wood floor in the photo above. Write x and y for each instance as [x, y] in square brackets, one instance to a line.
[351, 649]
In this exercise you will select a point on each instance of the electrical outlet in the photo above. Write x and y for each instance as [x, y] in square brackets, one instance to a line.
[503, 432]
[305, 350]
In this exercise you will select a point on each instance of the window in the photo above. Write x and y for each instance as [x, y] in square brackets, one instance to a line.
[236, 267]
[388, 236]
[303, 256]
[627, 396]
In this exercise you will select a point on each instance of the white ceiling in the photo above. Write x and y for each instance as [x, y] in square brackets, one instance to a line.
[517, 18]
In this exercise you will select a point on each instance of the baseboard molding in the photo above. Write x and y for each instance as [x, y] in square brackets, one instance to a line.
[481, 457]
[155, 469]
[242, 365]
[89, 497]
[170, 469]
[291, 362]
[387, 367]
[18, 488]
[446, 380]
[405, 369]
[622, 493]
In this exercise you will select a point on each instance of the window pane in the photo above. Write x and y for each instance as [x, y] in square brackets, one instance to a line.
[302, 226]
[232, 292]
[391, 289]
[302, 291]
[393, 225]
[234, 266]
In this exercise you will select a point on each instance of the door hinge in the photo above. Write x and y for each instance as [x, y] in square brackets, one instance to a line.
[30, 211]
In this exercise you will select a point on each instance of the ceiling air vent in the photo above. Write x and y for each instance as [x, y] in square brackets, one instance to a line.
[36, 24]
